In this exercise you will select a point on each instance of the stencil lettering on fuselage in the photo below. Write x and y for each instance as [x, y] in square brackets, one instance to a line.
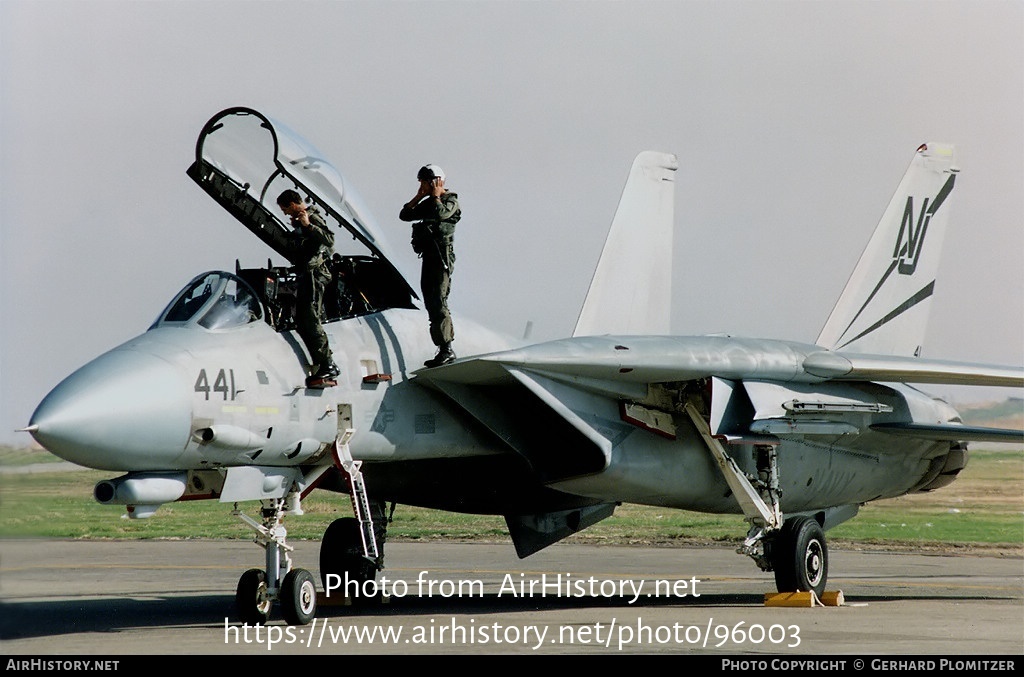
[385, 415]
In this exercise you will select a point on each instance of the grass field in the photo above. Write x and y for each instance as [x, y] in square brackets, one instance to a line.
[982, 511]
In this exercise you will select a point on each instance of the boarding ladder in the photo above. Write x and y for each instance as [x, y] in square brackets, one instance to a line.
[349, 468]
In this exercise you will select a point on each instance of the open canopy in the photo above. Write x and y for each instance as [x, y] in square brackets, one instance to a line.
[244, 160]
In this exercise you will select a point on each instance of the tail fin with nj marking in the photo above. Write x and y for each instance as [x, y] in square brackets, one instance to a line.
[884, 308]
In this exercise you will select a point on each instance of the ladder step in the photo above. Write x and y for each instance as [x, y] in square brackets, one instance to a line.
[357, 491]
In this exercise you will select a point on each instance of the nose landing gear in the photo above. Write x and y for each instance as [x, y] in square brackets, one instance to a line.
[352, 550]
[257, 590]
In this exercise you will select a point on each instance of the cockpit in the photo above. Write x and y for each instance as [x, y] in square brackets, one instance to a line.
[244, 160]
[214, 300]
[220, 300]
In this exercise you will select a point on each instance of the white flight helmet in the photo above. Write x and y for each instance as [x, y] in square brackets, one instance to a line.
[429, 172]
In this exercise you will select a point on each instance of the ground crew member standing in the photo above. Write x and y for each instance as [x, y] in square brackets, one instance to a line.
[310, 251]
[435, 210]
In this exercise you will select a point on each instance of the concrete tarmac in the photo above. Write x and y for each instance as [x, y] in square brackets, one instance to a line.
[109, 598]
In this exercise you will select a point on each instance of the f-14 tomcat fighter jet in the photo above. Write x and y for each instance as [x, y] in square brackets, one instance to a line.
[211, 401]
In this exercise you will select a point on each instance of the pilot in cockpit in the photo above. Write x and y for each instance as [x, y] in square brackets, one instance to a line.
[310, 253]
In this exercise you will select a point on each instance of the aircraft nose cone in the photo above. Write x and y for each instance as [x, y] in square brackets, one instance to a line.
[125, 410]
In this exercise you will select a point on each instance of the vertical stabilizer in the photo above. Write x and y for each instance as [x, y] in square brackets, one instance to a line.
[884, 308]
[631, 289]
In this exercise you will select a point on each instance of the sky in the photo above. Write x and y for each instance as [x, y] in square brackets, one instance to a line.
[793, 123]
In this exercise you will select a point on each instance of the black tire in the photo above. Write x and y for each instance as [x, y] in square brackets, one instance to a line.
[799, 556]
[252, 599]
[298, 597]
[341, 554]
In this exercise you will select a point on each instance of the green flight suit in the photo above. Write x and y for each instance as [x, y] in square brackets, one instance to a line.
[310, 253]
[432, 238]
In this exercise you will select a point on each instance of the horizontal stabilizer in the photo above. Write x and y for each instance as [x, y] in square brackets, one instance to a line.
[950, 432]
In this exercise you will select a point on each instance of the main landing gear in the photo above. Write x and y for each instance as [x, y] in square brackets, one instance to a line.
[352, 548]
[799, 556]
[794, 549]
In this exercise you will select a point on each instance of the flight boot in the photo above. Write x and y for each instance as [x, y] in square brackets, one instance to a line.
[324, 378]
[444, 355]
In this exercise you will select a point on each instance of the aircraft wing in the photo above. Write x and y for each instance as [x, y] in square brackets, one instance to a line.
[533, 414]
[893, 368]
[559, 385]
[655, 359]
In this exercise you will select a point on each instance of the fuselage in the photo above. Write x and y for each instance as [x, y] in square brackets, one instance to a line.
[149, 403]
[188, 397]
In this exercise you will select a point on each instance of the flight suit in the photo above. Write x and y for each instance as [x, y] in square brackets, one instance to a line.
[310, 254]
[432, 239]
